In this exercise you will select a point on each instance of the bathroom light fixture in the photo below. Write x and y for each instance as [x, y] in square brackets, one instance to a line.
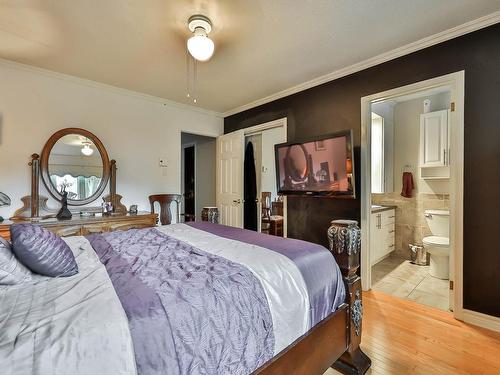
[200, 46]
[86, 149]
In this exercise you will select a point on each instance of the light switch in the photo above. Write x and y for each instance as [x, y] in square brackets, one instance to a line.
[163, 162]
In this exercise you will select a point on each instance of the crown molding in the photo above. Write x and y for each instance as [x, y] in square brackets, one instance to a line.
[443, 36]
[103, 86]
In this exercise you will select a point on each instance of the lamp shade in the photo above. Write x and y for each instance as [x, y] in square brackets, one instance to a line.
[87, 150]
[4, 200]
[200, 46]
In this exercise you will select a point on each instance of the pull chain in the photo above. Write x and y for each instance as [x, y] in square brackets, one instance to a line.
[188, 76]
[195, 81]
[191, 78]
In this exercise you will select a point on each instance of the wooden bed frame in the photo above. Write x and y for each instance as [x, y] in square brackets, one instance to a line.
[334, 342]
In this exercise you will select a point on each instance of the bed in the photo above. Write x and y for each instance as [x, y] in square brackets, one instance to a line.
[194, 298]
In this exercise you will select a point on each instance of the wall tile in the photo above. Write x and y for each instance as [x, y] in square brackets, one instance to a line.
[411, 226]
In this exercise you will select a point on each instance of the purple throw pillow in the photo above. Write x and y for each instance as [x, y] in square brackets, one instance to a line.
[42, 251]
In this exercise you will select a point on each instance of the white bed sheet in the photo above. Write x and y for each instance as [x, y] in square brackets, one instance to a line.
[62, 326]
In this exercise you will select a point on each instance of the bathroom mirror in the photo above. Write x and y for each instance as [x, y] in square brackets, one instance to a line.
[74, 160]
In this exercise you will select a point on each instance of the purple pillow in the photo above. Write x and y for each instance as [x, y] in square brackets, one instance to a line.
[42, 251]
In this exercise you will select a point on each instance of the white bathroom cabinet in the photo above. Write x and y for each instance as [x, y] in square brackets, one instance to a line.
[382, 234]
[435, 145]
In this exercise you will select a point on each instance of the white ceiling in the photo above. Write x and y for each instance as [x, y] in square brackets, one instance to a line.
[262, 46]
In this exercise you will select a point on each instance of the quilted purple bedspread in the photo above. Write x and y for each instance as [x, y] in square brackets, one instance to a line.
[190, 312]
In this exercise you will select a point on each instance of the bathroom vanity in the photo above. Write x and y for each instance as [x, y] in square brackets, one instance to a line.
[382, 232]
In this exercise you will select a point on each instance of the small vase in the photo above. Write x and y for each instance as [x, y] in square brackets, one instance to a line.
[210, 214]
[344, 236]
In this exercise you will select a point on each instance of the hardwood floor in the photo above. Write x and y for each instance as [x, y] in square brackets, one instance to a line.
[404, 337]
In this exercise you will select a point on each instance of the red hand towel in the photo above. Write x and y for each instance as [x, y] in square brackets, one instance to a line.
[408, 185]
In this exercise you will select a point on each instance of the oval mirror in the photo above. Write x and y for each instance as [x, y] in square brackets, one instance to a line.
[296, 163]
[74, 160]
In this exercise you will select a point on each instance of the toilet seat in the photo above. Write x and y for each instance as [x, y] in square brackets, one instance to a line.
[436, 241]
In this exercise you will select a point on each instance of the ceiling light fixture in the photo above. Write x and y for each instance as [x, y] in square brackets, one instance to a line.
[86, 149]
[200, 46]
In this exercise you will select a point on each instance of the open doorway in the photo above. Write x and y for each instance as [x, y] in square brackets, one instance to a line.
[197, 175]
[231, 149]
[412, 205]
[263, 208]
[189, 192]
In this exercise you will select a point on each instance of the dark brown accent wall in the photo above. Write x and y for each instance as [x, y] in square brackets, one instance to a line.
[335, 106]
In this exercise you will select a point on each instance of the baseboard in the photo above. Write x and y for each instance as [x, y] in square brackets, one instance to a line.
[482, 320]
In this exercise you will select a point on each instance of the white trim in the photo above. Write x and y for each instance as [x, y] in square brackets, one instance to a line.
[104, 86]
[266, 126]
[481, 320]
[456, 83]
[443, 36]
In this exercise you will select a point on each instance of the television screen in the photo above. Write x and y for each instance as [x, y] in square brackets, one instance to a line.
[320, 166]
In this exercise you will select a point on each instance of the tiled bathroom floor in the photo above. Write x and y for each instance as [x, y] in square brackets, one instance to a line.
[399, 277]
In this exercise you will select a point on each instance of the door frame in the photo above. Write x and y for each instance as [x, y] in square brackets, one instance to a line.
[258, 178]
[456, 83]
[256, 129]
[183, 172]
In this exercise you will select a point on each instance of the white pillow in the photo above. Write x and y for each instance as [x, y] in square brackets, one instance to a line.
[11, 270]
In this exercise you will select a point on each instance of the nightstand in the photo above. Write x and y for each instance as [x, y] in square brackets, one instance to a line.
[5, 229]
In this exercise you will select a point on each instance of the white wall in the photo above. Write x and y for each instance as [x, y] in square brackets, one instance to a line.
[407, 138]
[136, 130]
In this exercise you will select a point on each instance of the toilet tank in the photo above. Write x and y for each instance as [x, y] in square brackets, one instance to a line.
[438, 222]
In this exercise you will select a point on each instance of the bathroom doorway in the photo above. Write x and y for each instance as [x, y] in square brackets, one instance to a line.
[412, 173]
[198, 157]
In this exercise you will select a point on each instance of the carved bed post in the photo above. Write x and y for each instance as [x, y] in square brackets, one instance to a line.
[345, 244]
[35, 178]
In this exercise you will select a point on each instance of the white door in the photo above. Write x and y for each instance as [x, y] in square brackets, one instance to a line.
[434, 139]
[229, 196]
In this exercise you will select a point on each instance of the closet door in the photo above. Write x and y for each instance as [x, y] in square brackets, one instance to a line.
[434, 139]
[229, 185]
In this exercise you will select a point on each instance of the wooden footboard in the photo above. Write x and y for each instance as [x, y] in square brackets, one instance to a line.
[334, 342]
[315, 351]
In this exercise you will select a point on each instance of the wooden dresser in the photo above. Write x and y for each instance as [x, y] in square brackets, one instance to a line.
[4, 229]
[81, 226]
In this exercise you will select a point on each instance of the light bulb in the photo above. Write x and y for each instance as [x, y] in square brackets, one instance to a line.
[200, 46]
[87, 150]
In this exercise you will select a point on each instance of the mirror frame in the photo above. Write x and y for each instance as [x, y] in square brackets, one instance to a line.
[44, 165]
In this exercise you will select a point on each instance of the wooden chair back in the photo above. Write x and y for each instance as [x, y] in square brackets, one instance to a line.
[277, 208]
[266, 204]
[165, 201]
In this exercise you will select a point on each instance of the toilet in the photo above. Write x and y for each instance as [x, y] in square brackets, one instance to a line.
[438, 245]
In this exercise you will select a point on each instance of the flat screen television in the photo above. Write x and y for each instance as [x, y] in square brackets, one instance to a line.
[318, 166]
